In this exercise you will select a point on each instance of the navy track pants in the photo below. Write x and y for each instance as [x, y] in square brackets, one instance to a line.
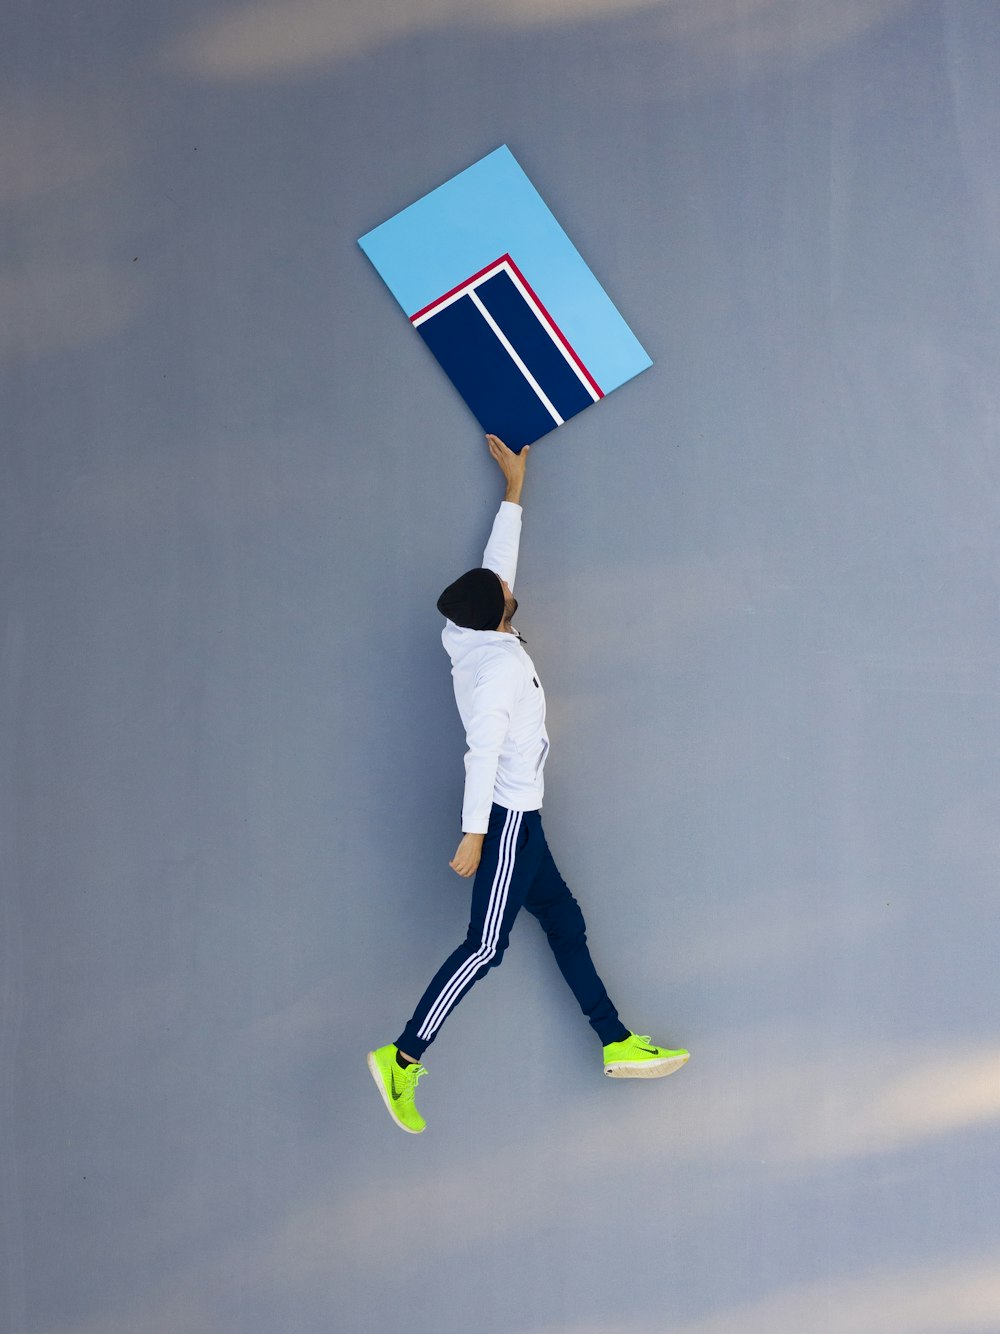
[516, 869]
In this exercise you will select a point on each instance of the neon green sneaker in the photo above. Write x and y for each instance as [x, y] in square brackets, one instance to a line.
[397, 1087]
[637, 1058]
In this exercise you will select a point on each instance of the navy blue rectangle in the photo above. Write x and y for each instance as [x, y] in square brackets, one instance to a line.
[485, 374]
[533, 345]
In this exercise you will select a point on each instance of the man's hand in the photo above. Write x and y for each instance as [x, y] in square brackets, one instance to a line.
[511, 465]
[466, 859]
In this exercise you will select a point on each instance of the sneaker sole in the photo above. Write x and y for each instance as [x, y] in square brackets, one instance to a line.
[645, 1069]
[376, 1074]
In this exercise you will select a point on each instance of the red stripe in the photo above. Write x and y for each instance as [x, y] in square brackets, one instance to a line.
[534, 296]
[482, 273]
[555, 328]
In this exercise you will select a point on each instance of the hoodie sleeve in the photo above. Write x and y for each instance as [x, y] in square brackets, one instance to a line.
[500, 555]
[493, 701]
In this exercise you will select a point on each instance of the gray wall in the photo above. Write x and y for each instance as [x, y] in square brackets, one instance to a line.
[760, 582]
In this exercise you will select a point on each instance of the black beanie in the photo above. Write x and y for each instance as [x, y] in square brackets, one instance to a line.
[475, 601]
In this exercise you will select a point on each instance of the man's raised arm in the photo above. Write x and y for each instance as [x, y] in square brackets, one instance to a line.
[488, 725]
[501, 550]
[511, 465]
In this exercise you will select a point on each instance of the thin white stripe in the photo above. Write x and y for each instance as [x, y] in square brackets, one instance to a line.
[498, 900]
[515, 358]
[457, 979]
[491, 929]
[551, 332]
[503, 267]
[500, 906]
[457, 296]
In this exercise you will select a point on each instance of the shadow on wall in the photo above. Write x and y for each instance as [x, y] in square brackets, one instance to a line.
[742, 37]
[801, 1118]
[67, 284]
[64, 152]
[903, 1301]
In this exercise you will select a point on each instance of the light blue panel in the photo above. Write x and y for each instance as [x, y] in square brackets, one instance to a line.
[486, 211]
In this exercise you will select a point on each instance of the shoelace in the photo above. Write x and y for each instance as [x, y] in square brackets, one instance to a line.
[410, 1087]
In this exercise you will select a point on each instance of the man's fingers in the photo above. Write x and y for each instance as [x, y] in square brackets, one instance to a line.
[500, 450]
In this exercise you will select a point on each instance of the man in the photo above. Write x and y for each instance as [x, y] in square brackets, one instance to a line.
[502, 706]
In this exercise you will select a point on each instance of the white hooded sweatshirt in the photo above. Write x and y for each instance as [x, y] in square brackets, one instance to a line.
[500, 699]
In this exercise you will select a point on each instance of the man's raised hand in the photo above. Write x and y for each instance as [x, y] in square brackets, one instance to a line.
[511, 465]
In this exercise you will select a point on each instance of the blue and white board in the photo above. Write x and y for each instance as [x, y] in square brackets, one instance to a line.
[503, 299]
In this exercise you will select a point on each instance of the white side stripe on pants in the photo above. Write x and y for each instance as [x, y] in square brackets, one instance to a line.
[491, 929]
